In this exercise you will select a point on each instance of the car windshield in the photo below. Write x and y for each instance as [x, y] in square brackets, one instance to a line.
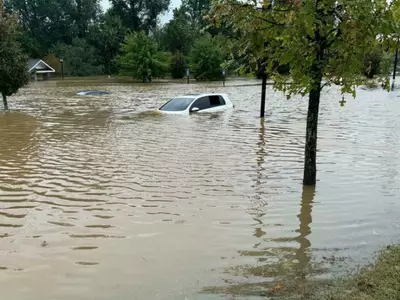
[177, 104]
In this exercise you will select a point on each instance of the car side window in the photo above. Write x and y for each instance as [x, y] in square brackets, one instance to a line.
[202, 103]
[216, 101]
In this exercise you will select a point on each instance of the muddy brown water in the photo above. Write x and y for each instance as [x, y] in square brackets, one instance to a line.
[102, 199]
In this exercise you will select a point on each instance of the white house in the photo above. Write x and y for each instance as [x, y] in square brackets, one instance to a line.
[38, 66]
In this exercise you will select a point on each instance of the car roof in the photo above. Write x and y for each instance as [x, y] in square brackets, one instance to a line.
[194, 95]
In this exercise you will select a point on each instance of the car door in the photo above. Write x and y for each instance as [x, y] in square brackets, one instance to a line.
[212, 103]
[202, 104]
[217, 103]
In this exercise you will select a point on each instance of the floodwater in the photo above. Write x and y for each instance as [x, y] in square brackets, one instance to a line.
[102, 199]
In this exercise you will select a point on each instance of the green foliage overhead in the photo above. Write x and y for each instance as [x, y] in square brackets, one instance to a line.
[206, 58]
[327, 37]
[323, 42]
[13, 63]
[139, 15]
[140, 58]
[79, 58]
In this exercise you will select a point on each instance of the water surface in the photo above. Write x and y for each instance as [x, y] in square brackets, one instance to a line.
[102, 199]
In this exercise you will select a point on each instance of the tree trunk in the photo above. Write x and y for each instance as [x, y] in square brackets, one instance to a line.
[263, 93]
[310, 155]
[5, 101]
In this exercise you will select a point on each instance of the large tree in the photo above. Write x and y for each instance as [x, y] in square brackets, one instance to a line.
[139, 15]
[84, 13]
[13, 64]
[324, 42]
[206, 58]
[178, 34]
[107, 37]
[79, 58]
[141, 58]
[196, 10]
[48, 22]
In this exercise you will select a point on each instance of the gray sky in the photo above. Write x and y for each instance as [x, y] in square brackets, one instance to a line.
[174, 3]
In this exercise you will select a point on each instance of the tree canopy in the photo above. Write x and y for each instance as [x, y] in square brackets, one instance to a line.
[141, 58]
[328, 35]
[206, 58]
[139, 15]
[107, 37]
[81, 59]
[323, 42]
[47, 24]
[178, 34]
[13, 63]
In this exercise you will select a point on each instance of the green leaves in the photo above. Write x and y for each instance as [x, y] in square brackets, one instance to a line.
[141, 59]
[178, 65]
[79, 58]
[107, 37]
[49, 22]
[179, 34]
[139, 15]
[206, 58]
[13, 63]
[332, 36]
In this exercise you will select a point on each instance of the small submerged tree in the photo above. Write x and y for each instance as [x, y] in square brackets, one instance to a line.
[13, 63]
[140, 58]
[323, 42]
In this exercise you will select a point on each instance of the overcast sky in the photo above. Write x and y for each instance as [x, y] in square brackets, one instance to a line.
[174, 3]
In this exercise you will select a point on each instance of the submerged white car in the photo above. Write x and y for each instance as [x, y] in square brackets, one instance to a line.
[192, 103]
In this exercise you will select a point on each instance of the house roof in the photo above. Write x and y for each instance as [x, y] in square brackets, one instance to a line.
[39, 66]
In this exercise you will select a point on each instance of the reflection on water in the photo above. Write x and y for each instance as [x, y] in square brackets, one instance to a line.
[283, 264]
[101, 197]
[305, 220]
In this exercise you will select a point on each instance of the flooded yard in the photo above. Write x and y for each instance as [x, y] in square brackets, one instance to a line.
[102, 199]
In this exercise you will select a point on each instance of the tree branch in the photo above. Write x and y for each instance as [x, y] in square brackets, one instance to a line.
[324, 85]
[260, 18]
[330, 32]
[337, 35]
[271, 22]
[337, 15]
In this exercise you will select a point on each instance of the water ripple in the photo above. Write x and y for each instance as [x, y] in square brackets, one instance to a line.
[170, 204]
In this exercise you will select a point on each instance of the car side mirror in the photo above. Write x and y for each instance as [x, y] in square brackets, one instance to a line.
[195, 109]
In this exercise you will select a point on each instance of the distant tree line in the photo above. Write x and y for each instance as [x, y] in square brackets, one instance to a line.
[127, 39]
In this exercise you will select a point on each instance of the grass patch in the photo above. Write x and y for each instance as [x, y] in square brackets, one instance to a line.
[377, 281]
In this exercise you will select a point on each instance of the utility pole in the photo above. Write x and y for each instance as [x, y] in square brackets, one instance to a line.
[62, 68]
